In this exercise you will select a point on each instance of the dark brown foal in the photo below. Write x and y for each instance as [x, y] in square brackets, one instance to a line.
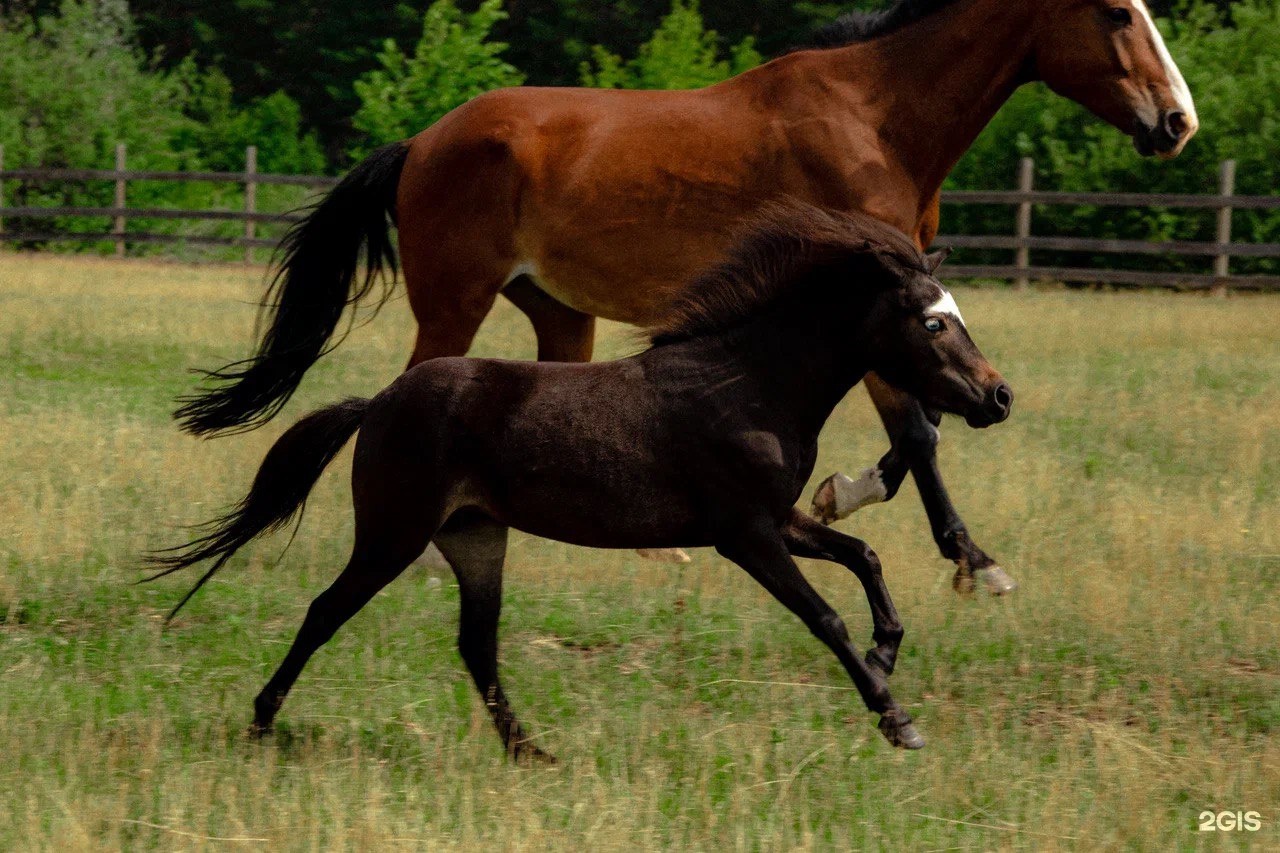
[705, 440]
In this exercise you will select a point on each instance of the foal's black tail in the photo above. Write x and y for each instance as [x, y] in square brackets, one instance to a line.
[288, 474]
[312, 287]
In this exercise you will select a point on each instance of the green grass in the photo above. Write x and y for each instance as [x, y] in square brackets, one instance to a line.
[1133, 681]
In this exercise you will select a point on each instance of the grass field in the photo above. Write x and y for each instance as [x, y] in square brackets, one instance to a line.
[1132, 683]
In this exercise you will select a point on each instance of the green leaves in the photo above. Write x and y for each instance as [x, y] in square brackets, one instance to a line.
[72, 86]
[682, 54]
[453, 62]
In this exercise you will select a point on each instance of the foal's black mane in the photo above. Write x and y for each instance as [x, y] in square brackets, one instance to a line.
[778, 254]
[858, 27]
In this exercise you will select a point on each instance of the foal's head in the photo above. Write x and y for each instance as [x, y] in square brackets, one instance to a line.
[855, 286]
[916, 339]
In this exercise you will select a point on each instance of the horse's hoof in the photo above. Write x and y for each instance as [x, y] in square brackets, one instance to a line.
[900, 732]
[995, 580]
[840, 496]
[258, 731]
[665, 555]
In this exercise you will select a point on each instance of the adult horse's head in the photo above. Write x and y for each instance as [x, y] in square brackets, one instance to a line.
[1109, 56]
[921, 345]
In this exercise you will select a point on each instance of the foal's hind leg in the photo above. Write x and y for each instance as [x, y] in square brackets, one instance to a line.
[762, 552]
[476, 547]
[915, 439]
[362, 579]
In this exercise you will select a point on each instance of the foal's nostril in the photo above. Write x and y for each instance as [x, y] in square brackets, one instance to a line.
[1002, 397]
[1177, 125]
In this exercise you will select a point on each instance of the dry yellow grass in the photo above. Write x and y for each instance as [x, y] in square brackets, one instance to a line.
[1133, 682]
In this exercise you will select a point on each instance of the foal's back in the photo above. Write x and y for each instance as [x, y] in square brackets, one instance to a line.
[581, 453]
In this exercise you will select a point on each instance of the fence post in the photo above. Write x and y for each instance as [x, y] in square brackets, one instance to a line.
[119, 224]
[1226, 189]
[250, 200]
[1026, 183]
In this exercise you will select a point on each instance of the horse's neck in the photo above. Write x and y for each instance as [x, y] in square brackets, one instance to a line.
[931, 87]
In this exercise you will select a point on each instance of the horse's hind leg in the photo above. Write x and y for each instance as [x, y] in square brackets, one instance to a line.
[564, 334]
[476, 547]
[365, 575]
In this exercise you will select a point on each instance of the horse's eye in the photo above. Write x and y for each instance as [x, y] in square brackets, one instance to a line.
[933, 325]
[1120, 16]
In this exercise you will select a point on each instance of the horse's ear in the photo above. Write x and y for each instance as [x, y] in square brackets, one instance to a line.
[933, 260]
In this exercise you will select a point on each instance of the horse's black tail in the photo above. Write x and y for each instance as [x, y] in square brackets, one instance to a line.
[288, 474]
[317, 279]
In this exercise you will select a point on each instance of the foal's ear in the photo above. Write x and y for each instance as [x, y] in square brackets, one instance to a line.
[933, 260]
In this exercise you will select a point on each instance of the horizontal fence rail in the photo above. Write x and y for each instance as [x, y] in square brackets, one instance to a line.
[1022, 243]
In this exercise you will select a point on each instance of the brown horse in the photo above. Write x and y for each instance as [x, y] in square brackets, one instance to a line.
[577, 204]
[706, 439]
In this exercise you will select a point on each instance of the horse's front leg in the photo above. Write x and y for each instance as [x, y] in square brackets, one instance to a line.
[915, 444]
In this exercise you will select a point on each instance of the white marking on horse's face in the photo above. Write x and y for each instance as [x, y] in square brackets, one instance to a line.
[1181, 93]
[946, 304]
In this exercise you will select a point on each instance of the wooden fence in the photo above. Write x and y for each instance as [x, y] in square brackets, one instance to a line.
[1021, 243]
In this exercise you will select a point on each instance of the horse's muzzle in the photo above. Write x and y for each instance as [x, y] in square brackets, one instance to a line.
[1167, 138]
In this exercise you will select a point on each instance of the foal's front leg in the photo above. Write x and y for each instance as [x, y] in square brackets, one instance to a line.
[805, 537]
[763, 554]
[915, 442]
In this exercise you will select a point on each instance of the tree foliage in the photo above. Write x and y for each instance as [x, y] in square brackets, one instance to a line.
[72, 86]
[453, 62]
[682, 54]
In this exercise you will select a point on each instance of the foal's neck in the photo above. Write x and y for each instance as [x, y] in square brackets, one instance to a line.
[803, 361]
[931, 87]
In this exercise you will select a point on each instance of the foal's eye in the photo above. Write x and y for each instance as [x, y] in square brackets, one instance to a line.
[933, 325]
[1120, 16]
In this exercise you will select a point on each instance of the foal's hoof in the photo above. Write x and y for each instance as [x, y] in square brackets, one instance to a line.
[665, 555]
[995, 580]
[531, 756]
[897, 728]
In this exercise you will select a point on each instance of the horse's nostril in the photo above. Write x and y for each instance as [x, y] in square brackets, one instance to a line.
[1177, 124]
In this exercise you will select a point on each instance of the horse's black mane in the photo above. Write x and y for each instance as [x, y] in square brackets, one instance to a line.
[864, 26]
[781, 250]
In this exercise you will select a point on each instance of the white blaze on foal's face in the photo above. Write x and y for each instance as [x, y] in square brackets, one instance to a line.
[946, 305]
